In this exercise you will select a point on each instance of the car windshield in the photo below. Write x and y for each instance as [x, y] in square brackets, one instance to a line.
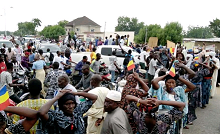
[7, 43]
[53, 48]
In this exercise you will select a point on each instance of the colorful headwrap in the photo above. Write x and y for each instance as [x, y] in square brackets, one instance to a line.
[131, 82]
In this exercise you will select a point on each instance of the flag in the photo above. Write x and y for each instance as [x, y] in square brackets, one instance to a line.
[130, 65]
[172, 70]
[172, 50]
[4, 98]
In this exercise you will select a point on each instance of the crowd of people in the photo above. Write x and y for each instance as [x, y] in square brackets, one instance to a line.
[159, 103]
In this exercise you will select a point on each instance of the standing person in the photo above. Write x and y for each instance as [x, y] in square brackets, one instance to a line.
[10, 53]
[6, 79]
[69, 118]
[164, 58]
[106, 41]
[40, 52]
[18, 52]
[38, 68]
[74, 38]
[128, 40]
[64, 83]
[143, 58]
[116, 121]
[113, 42]
[2, 64]
[96, 113]
[152, 69]
[34, 102]
[99, 42]
[122, 42]
[57, 58]
[25, 60]
[113, 65]
[4, 55]
[86, 78]
[94, 67]
[110, 40]
[130, 89]
[15, 64]
[96, 41]
[52, 80]
[31, 56]
[93, 54]
[117, 40]
[215, 73]
[47, 56]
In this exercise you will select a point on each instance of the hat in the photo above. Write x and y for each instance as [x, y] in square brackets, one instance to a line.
[212, 54]
[114, 95]
[27, 53]
[190, 50]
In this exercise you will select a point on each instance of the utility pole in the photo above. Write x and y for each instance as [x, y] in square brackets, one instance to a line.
[104, 32]
[146, 36]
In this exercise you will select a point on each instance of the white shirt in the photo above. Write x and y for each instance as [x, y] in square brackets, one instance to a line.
[143, 53]
[58, 59]
[112, 59]
[110, 41]
[69, 86]
[152, 64]
[122, 42]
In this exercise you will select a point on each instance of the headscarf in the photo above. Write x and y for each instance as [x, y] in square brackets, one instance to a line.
[131, 82]
[65, 98]
[212, 54]
[37, 56]
[189, 61]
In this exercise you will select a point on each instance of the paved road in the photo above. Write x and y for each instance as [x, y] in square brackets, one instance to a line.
[208, 119]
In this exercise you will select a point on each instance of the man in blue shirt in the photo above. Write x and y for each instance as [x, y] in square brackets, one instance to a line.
[96, 41]
[80, 64]
[31, 57]
[106, 41]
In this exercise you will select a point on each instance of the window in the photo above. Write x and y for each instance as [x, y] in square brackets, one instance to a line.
[92, 30]
[77, 29]
[106, 51]
[119, 53]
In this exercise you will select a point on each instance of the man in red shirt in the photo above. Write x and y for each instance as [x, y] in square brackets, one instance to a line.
[2, 64]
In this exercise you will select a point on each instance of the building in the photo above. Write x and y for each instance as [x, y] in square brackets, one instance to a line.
[81, 25]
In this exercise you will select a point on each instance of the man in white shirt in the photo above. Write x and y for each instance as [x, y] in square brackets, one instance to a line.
[143, 58]
[63, 83]
[113, 65]
[58, 59]
[110, 40]
[18, 52]
[152, 69]
[122, 42]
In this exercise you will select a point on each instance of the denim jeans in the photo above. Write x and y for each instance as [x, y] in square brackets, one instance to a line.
[112, 72]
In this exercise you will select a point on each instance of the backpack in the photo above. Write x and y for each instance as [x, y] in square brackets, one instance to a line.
[126, 60]
[51, 57]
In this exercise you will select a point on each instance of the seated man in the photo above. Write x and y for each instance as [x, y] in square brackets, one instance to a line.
[22, 126]
[35, 102]
[80, 64]
[86, 78]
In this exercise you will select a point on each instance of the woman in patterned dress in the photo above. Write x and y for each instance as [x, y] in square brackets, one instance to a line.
[130, 89]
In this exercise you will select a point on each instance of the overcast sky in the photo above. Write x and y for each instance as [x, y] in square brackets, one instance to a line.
[187, 12]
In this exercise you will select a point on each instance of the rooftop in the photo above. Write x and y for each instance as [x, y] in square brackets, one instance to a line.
[82, 21]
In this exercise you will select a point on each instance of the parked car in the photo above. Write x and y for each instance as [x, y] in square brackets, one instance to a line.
[53, 48]
[106, 51]
[7, 43]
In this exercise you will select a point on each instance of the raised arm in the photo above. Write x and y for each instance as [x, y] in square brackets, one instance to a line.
[143, 85]
[188, 70]
[86, 95]
[190, 86]
[155, 84]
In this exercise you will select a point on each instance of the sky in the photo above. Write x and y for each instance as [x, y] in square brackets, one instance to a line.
[186, 12]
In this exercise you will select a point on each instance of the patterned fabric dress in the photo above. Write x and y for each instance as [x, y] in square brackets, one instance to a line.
[129, 89]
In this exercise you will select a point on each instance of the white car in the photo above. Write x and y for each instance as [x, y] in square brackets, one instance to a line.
[106, 51]
[7, 43]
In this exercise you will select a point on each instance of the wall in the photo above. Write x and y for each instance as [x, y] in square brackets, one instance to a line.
[217, 44]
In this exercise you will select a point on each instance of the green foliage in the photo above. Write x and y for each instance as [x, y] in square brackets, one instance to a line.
[62, 23]
[215, 27]
[28, 28]
[3, 32]
[198, 32]
[72, 33]
[172, 32]
[129, 24]
[140, 37]
[53, 32]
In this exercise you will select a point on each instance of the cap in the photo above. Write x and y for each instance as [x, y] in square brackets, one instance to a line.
[114, 95]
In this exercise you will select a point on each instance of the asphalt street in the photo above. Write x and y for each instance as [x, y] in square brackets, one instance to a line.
[208, 119]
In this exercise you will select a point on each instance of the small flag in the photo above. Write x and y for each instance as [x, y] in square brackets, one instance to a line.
[196, 58]
[4, 98]
[130, 65]
[172, 70]
[172, 50]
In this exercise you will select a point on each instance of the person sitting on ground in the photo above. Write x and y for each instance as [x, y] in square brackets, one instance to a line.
[146, 119]
[96, 113]
[33, 102]
[51, 80]
[80, 65]
[22, 126]
[94, 67]
[116, 121]
[6, 79]
[69, 118]
[86, 78]
[63, 83]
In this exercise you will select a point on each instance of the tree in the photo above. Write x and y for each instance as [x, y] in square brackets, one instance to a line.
[215, 27]
[62, 23]
[172, 32]
[37, 22]
[198, 32]
[53, 32]
[129, 24]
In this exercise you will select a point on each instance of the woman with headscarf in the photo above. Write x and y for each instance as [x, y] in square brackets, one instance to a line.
[130, 89]
[38, 68]
[189, 59]
[69, 118]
